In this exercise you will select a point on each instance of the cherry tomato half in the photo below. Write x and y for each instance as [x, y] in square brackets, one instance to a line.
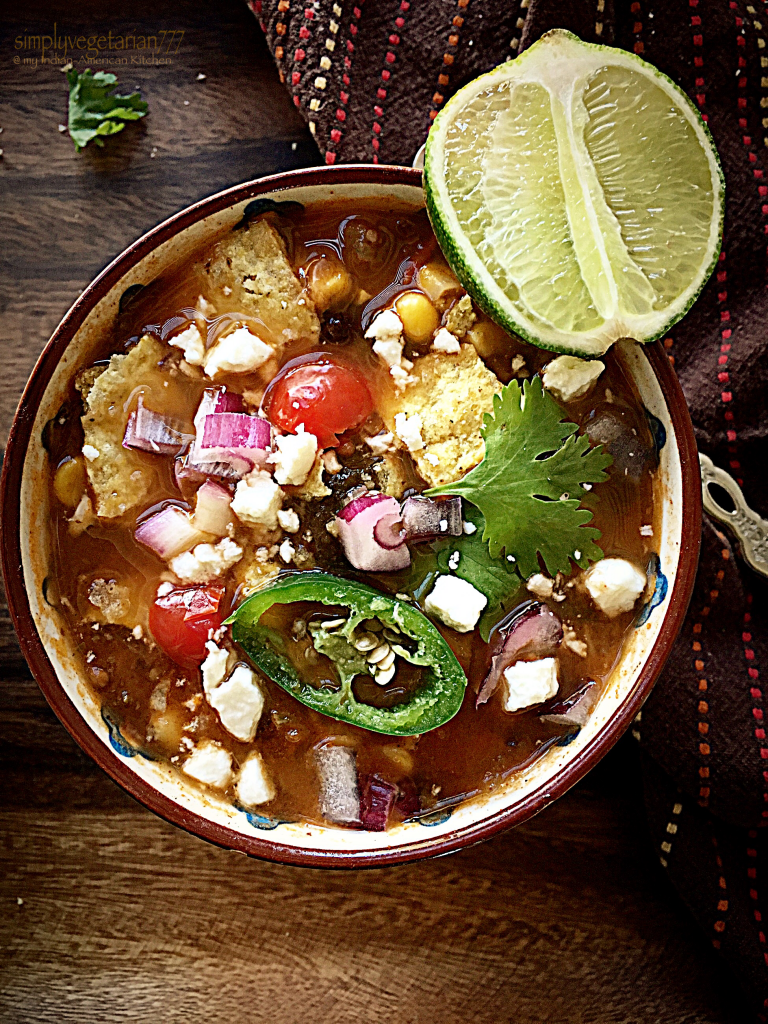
[182, 620]
[324, 394]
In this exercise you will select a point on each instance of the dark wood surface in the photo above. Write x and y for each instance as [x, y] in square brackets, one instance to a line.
[110, 914]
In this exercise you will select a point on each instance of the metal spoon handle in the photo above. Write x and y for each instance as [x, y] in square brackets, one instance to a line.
[750, 529]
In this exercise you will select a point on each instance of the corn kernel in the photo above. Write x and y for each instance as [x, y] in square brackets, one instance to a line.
[419, 316]
[330, 283]
[69, 481]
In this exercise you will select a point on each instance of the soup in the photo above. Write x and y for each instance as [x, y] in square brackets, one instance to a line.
[261, 590]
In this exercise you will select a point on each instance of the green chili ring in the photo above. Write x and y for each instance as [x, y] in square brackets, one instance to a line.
[433, 704]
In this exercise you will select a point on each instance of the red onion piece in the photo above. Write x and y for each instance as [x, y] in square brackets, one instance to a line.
[212, 511]
[424, 518]
[198, 472]
[389, 532]
[356, 525]
[217, 400]
[376, 803]
[232, 437]
[575, 709]
[169, 532]
[150, 431]
[533, 633]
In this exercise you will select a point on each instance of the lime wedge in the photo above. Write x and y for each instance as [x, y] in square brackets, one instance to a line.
[577, 195]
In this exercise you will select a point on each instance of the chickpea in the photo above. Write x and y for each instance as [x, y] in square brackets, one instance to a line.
[488, 338]
[419, 316]
[167, 728]
[330, 283]
[439, 283]
[69, 481]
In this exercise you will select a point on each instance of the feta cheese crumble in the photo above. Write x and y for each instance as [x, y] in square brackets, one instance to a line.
[455, 603]
[254, 785]
[529, 682]
[468, 528]
[206, 561]
[288, 520]
[614, 584]
[214, 668]
[190, 341]
[446, 342]
[381, 443]
[287, 551]
[210, 763]
[257, 500]
[386, 330]
[239, 703]
[90, 452]
[294, 457]
[540, 585]
[238, 352]
[408, 429]
[568, 377]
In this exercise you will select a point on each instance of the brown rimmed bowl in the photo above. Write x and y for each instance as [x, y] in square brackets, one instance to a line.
[54, 661]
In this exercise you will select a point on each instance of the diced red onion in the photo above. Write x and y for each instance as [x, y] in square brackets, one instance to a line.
[356, 524]
[389, 531]
[217, 400]
[198, 472]
[575, 709]
[236, 432]
[377, 798]
[212, 511]
[424, 517]
[408, 802]
[534, 633]
[339, 795]
[150, 431]
[169, 532]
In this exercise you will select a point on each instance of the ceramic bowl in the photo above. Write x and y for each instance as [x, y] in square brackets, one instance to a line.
[26, 538]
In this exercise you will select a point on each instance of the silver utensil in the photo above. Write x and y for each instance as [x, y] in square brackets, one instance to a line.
[750, 529]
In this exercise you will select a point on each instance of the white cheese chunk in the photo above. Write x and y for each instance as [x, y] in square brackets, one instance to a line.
[210, 763]
[408, 429]
[540, 585]
[206, 561]
[294, 457]
[287, 551]
[568, 377]
[381, 443]
[239, 703]
[456, 603]
[288, 520]
[214, 668]
[386, 330]
[446, 342]
[529, 682]
[257, 500]
[614, 584]
[238, 352]
[90, 452]
[254, 785]
[190, 341]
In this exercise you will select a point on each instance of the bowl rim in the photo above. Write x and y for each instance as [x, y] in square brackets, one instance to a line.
[220, 835]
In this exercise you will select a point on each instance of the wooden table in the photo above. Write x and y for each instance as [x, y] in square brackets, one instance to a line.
[108, 913]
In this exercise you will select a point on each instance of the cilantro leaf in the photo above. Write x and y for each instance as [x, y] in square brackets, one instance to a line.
[533, 458]
[493, 577]
[93, 112]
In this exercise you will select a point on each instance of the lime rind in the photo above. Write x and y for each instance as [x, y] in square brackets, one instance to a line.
[609, 252]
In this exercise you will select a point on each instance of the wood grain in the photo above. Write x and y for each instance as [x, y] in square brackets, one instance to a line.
[127, 919]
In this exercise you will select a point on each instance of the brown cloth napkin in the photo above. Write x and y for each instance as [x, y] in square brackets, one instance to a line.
[370, 77]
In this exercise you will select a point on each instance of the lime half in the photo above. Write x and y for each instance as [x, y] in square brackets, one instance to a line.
[577, 195]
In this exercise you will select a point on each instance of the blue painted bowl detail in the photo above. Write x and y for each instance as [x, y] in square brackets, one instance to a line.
[660, 588]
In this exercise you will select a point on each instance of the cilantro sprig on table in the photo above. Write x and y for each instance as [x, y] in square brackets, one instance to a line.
[93, 112]
[529, 485]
